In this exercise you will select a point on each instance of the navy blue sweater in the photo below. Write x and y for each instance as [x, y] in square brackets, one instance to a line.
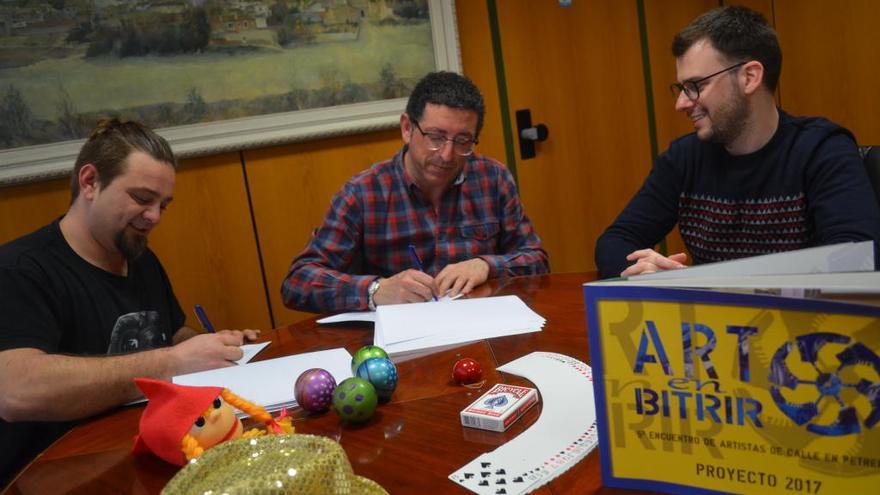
[806, 187]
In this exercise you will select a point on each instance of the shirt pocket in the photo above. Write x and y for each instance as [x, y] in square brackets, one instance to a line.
[480, 232]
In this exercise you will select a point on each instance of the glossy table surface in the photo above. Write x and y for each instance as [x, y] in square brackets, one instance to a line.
[411, 444]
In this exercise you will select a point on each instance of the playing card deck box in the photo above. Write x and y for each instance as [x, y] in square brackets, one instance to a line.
[499, 407]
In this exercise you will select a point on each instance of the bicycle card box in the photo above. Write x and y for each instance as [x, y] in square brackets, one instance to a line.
[499, 407]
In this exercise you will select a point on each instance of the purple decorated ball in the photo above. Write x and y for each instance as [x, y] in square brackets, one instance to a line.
[314, 390]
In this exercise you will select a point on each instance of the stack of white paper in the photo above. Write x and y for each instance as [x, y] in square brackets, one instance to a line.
[845, 268]
[832, 283]
[834, 258]
[270, 383]
[404, 328]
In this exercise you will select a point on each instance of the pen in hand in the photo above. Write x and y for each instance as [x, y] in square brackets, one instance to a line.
[203, 319]
[418, 262]
[206, 323]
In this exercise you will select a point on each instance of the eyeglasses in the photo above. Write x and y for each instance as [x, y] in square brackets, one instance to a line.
[691, 89]
[461, 145]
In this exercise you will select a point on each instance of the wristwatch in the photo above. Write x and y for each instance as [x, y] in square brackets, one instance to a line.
[371, 291]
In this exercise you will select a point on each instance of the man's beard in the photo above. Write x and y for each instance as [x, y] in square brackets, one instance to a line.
[730, 119]
[132, 246]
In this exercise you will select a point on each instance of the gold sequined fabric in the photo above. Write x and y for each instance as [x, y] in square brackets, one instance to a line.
[272, 464]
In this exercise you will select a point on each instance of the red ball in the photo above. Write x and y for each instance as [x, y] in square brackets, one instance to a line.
[467, 371]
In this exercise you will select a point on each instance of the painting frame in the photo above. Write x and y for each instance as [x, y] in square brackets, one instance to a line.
[28, 164]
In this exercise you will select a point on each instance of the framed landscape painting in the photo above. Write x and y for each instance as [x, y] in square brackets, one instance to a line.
[210, 75]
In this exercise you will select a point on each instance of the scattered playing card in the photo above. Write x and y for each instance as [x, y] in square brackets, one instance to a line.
[480, 476]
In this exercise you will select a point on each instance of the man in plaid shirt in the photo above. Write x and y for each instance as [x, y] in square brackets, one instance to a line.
[458, 210]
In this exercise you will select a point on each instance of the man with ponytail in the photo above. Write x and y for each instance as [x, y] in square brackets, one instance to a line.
[86, 306]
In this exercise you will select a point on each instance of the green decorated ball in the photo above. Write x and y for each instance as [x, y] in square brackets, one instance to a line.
[354, 400]
[364, 353]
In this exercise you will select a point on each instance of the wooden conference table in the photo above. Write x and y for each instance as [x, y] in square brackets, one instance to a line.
[411, 444]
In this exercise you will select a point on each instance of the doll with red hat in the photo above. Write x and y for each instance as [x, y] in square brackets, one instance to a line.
[180, 422]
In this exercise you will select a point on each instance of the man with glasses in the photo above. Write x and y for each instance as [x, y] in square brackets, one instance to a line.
[751, 179]
[436, 219]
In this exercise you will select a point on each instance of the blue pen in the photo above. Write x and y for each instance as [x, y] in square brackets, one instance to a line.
[418, 262]
[203, 318]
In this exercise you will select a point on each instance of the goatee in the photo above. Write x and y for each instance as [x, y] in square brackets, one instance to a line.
[130, 247]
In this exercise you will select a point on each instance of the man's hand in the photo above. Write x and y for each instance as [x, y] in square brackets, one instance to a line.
[248, 334]
[461, 278]
[208, 351]
[650, 261]
[185, 333]
[406, 287]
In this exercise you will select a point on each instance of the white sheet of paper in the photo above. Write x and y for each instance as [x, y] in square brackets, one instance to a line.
[251, 350]
[465, 317]
[367, 315]
[352, 316]
[406, 328]
[452, 298]
[437, 342]
[270, 383]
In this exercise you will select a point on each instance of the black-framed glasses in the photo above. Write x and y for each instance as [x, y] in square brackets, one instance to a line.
[461, 145]
[691, 89]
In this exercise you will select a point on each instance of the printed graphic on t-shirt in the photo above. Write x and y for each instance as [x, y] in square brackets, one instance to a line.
[137, 332]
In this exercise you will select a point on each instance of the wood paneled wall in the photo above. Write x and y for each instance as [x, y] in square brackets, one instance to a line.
[206, 243]
[479, 65]
[829, 62]
[663, 19]
[238, 219]
[589, 91]
[26, 208]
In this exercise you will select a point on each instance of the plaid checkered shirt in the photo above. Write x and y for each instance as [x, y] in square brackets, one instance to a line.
[380, 212]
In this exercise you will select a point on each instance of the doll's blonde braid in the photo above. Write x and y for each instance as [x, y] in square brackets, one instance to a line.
[190, 447]
[259, 413]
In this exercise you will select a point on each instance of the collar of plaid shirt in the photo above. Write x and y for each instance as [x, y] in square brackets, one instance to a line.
[410, 183]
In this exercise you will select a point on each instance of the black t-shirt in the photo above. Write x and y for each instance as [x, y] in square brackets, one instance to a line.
[55, 301]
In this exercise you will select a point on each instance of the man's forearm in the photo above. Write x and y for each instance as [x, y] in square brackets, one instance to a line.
[182, 334]
[312, 287]
[611, 252]
[527, 262]
[75, 387]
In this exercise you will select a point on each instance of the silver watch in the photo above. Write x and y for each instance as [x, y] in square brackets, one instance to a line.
[371, 291]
